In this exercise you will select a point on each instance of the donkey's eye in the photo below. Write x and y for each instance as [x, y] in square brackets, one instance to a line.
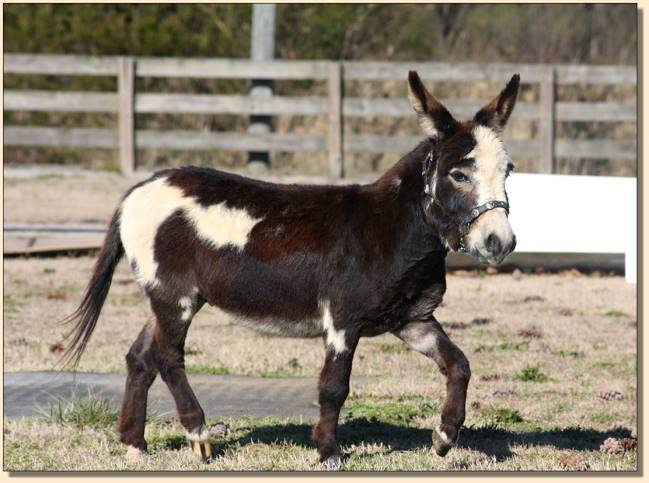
[459, 176]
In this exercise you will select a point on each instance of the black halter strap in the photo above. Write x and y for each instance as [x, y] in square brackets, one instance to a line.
[424, 173]
[473, 215]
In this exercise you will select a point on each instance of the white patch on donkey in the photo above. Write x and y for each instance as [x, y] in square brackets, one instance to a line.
[444, 437]
[335, 338]
[147, 207]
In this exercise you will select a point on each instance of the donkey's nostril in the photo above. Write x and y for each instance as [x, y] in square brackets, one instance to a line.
[494, 245]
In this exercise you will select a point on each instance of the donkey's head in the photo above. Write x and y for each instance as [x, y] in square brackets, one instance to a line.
[465, 173]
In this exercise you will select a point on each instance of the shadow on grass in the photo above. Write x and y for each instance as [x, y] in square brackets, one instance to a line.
[490, 440]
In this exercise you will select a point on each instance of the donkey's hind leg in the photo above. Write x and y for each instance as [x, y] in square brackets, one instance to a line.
[173, 320]
[141, 374]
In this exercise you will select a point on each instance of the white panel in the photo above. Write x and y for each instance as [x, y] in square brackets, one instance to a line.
[574, 214]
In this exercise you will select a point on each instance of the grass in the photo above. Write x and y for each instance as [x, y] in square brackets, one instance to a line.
[374, 443]
[82, 411]
[401, 410]
[531, 374]
[605, 417]
[616, 313]
[502, 416]
[204, 369]
[513, 346]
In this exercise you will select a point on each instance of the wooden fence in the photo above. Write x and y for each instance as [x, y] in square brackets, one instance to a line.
[126, 103]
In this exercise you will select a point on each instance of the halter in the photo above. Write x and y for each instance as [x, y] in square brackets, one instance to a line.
[472, 216]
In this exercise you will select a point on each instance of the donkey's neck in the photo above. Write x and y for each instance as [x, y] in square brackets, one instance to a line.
[399, 196]
[408, 169]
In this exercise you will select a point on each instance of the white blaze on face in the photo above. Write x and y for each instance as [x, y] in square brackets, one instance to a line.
[147, 207]
[491, 161]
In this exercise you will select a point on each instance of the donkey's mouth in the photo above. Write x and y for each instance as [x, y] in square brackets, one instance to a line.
[489, 258]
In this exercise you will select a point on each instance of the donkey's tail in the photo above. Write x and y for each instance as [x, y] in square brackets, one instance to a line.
[85, 316]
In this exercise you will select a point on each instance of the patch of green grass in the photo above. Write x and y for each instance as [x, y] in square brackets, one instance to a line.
[603, 365]
[605, 417]
[10, 306]
[47, 177]
[173, 441]
[503, 415]
[556, 409]
[401, 410]
[204, 369]
[531, 374]
[49, 270]
[278, 373]
[82, 411]
[110, 168]
[616, 313]
[513, 346]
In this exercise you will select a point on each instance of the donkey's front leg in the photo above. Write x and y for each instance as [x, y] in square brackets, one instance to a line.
[333, 389]
[429, 338]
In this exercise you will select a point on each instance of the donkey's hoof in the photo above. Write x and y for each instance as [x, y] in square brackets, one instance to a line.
[133, 454]
[202, 449]
[441, 442]
[199, 442]
[334, 462]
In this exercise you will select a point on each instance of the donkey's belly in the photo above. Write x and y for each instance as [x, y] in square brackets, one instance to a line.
[282, 327]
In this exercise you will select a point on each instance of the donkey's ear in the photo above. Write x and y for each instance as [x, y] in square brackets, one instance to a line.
[497, 112]
[434, 118]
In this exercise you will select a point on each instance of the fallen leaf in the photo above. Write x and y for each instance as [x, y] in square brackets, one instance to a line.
[56, 348]
[573, 462]
[57, 295]
[530, 333]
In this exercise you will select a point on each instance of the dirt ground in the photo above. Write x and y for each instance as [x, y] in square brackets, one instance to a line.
[553, 360]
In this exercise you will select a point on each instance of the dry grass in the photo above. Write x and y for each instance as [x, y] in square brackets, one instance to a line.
[546, 350]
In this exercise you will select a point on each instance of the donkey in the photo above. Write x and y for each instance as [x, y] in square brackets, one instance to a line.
[337, 262]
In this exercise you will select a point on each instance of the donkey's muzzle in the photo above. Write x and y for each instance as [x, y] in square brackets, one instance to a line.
[497, 249]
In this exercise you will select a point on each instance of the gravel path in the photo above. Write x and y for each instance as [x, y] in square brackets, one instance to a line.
[227, 396]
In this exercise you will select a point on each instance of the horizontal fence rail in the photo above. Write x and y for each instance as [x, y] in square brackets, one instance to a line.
[126, 103]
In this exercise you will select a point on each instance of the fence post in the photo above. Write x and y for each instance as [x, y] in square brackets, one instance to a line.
[126, 121]
[335, 138]
[262, 47]
[546, 120]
